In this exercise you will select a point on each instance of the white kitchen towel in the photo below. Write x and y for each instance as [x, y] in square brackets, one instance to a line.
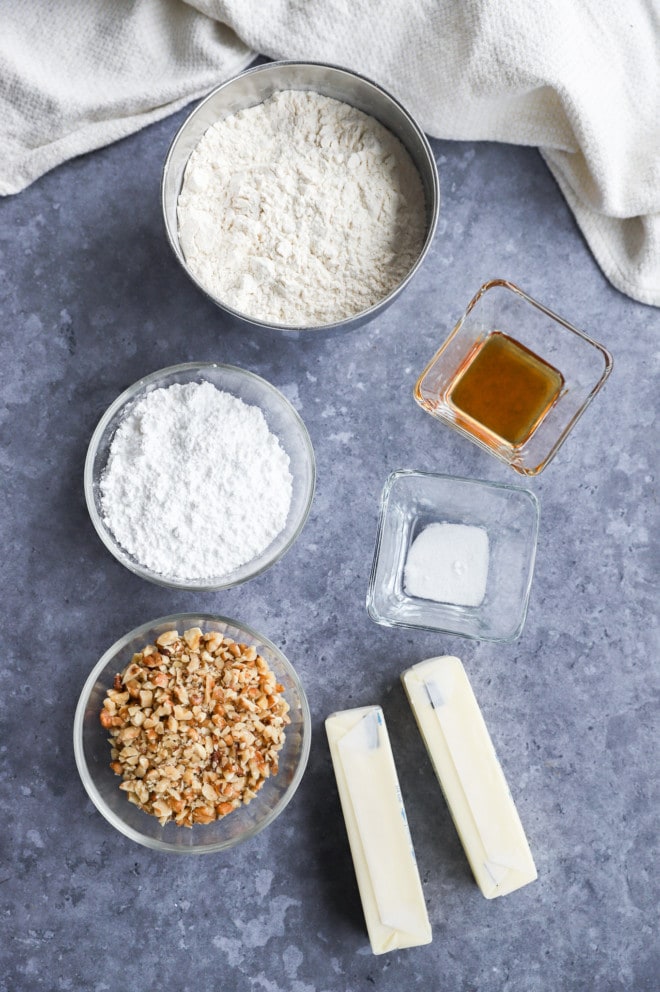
[580, 79]
[78, 74]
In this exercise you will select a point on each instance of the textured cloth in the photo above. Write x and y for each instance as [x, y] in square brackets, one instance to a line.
[78, 74]
[580, 79]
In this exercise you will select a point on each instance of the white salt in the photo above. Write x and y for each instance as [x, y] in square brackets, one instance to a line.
[448, 563]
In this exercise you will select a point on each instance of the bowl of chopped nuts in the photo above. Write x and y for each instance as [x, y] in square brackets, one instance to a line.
[192, 733]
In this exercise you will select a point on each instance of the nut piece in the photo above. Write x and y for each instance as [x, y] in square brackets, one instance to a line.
[192, 637]
[196, 723]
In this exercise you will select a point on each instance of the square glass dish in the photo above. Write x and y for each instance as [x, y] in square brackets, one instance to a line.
[513, 377]
[410, 503]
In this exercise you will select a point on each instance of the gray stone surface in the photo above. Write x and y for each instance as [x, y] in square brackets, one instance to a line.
[91, 299]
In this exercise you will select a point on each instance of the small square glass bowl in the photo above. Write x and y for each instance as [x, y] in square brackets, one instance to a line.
[410, 502]
[92, 749]
[578, 365]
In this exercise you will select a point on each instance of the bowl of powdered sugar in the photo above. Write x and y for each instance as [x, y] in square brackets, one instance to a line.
[199, 476]
[300, 196]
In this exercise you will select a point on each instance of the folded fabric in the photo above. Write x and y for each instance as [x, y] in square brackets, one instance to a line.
[80, 74]
[580, 79]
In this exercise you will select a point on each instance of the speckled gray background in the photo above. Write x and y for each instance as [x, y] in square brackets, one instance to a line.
[92, 299]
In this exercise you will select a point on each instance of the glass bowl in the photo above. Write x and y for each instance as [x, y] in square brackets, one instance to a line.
[570, 366]
[253, 87]
[92, 750]
[410, 502]
[283, 421]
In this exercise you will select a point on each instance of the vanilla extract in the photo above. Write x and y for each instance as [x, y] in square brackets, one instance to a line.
[504, 389]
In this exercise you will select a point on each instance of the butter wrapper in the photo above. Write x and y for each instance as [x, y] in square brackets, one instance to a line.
[470, 775]
[378, 833]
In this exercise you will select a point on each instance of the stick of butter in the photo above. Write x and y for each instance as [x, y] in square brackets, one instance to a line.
[378, 834]
[470, 775]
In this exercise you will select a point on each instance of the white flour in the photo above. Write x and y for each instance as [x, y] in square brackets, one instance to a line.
[195, 484]
[300, 211]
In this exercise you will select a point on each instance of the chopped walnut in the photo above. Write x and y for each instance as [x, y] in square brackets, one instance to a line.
[196, 723]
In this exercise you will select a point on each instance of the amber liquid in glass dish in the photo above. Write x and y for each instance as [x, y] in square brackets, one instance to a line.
[503, 389]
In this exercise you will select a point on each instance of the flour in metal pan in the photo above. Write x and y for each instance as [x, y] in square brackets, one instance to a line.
[300, 211]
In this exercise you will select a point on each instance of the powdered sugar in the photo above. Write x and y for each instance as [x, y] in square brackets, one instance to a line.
[195, 484]
[301, 210]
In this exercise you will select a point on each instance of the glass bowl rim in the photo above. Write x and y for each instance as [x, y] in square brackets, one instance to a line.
[514, 288]
[87, 778]
[132, 393]
[396, 474]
